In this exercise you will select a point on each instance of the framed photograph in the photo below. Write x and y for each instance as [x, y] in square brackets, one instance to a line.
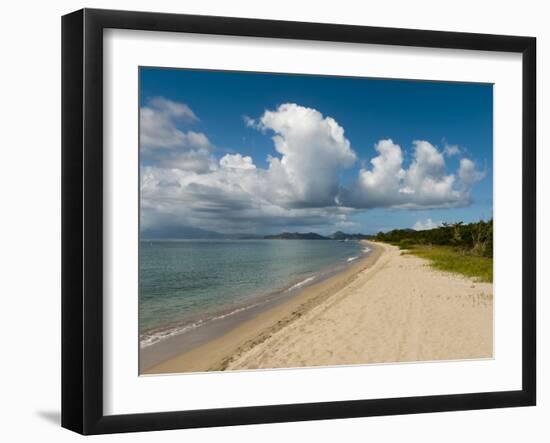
[269, 221]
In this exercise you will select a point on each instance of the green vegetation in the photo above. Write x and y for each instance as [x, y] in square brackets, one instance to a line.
[463, 248]
[447, 258]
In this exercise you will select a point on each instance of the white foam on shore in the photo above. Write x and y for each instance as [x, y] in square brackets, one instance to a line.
[300, 284]
[150, 339]
[155, 337]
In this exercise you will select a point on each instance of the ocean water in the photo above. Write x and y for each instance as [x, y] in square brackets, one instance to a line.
[185, 284]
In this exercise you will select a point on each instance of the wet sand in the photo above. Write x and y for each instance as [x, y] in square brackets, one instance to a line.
[388, 307]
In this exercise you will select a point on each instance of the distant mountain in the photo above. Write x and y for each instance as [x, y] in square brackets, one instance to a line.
[242, 236]
[339, 235]
[296, 236]
[188, 232]
[180, 232]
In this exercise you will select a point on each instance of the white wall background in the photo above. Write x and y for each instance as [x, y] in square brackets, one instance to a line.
[30, 218]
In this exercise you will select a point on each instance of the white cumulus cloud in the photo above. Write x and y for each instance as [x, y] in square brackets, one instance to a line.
[197, 160]
[424, 184]
[468, 173]
[452, 150]
[237, 161]
[313, 150]
[158, 125]
[184, 183]
[425, 225]
[382, 184]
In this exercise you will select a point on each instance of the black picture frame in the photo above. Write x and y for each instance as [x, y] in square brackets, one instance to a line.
[82, 220]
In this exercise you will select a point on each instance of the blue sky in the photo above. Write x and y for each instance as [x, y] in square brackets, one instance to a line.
[209, 135]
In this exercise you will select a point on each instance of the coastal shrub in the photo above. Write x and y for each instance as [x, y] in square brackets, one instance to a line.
[406, 243]
[447, 258]
[454, 247]
[473, 238]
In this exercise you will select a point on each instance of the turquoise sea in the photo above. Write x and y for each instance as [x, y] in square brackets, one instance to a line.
[185, 284]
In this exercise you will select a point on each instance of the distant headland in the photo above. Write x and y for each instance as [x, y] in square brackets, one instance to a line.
[339, 235]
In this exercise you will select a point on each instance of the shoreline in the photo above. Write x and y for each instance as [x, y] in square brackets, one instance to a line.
[390, 307]
[215, 354]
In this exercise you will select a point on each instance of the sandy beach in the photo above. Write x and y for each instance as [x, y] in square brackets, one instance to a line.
[388, 307]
